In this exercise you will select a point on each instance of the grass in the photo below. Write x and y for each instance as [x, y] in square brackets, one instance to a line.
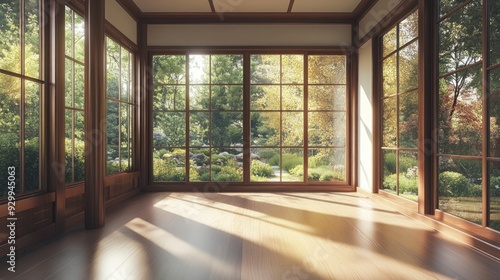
[470, 208]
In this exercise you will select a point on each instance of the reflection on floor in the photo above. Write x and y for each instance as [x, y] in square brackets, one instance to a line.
[254, 236]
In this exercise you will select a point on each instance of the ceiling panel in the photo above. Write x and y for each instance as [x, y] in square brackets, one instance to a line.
[328, 6]
[174, 6]
[257, 6]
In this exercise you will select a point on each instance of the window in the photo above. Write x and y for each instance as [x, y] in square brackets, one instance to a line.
[199, 130]
[75, 93]
[120, 107]
[399, 106]
[21, 91]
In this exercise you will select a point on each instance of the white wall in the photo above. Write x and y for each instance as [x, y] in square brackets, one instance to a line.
[375, 15]
[210, 35]
[120, 19]
[365, 118]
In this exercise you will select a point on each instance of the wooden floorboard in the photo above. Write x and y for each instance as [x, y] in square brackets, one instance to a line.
[254, 236]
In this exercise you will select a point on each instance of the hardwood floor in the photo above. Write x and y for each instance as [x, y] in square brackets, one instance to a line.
[254, 236]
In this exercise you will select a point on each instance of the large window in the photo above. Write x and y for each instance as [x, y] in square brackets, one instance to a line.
[399, 104]
[75, 92]
[120, 107]
[21, 89]
[296, 122]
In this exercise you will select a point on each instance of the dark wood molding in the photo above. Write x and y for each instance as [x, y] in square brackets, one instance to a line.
[119, 37]
[376, 122]
[212, 6]
[28, 240]
[95, 115]
[77, 5]
[353, 119]
[486, 119]
[290, 6]
[268, 187]
[143, 104]
[363, 8]
[131, 8]
[250, 18]
[29, 203]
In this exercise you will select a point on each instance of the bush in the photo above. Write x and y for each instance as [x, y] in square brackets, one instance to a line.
[261, 169]
[327, 176]
[228, 174]
[298, 170]
[407, 184]
[453, 184]
[267, 154]
[406, 163]
[390, 182]
[167, 171]
[314, 175]
[290, 161]
[389, 163]
[79, 160]
[495, 186]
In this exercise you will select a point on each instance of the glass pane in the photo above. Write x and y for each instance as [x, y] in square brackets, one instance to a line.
[68, 32]
[459, 188]
[227, 165]
[389, 172]
[389, 122]
[494, 32]
[408, 68]
[32, 142]
[113, 68]
[292, 69]
[327, 165]
[227, 129]
[408, 120]
[169, 129]
[265, 98]
[125, 75]
[265, 127]
[68, 83]
[265, 69]
[292, 129]
[199, 97]
[445, 6]
[125, 134]
[10, 44]
[79, 86]
[494, 195]
[389, 41]
[169, 165]
[327, 69]
[292, 165]
[265, 165]
[169, 69]
[327, 97]
[68, 147]
[199, 165]
[199, 129]
[460, 113]
[112, 137]
[292, 98]
[79, 38]
[408, 29]
[32, 45]
[494, 107]
[389, 76]
[10, 155]
[79, 147]
[408, 175]
[227, 97]
[32, 110]
[327, 129]
[460, 38]
[199, 69]
[169, 98]
[227, 69]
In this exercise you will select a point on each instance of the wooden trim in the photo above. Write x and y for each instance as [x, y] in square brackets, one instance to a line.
[77, 5]
[28, 240]
[212, 6]
[225, 187]
[362, 10]
[95, 115]
[119, 37]
[29, 203]
[290, 6]
[131, 8]
[250, 18]
[75, 219]
[376, 93]
[486, 120]
[354, 116]
[312, 50]
[115, 200]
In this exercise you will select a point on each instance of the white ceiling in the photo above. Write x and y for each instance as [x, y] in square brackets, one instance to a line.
[247, 6]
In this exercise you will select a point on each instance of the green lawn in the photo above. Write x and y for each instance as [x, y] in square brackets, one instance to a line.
[470, 208]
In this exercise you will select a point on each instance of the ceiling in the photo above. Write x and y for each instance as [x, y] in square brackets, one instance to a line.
[249, 6]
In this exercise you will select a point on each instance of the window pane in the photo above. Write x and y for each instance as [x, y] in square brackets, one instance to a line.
[79, 38]
[265, 69]
[327, 129]
[389, 42]
[390, 76]
[292, 165]
[389, 172]
[293, 98]
[199, 168]
[169, 129]
[326, 165]
[459, 188]
[79, 146]
[265, 98]
[10, 155]
[125, 134]
[265, 128]
[113, 68]
[31, 38]
[112, 134]
[199, 129]
[460, 38]
[199, 97]
[32, 140]
[227, 165]
[494, 107]
[494, 32]
[68, 32]
[227, 97]
[227, 69]
[79, 83]
[445, 6]
[408, 175]
[10, 97]
[265, 165]
[68, 83]
[389, 122]
[169, 69]
[68, 146]
[460, 113]
[327, 69]
[408, 29]
[169, 165]
[292, 129]
[408, 68]
[227, 129]
[125, 75]
[10, 56]
[408, 120]
[327, 97]
[292, 69]
[199, 69]
[494, 195]
[169, 98]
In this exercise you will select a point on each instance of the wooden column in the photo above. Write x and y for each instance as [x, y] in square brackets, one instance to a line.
[426, 141]
[95, 115]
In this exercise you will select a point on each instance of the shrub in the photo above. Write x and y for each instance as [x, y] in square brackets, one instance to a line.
[453, 184]
[267, 154]
[313, 175]
[228, 174]
[390, 182]
[406, 163]
[261, 169]
[167, 171]
[298, 170]
[495, 186]
[290, 161]
[389, 163]
[79, 160]
[408, 184]
[275, 160]
[327, 176]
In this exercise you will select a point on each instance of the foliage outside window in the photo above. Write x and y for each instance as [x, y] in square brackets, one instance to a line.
[21, 89]
[399, 103]
[198, 125]
[74, 100]
[120, 107]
